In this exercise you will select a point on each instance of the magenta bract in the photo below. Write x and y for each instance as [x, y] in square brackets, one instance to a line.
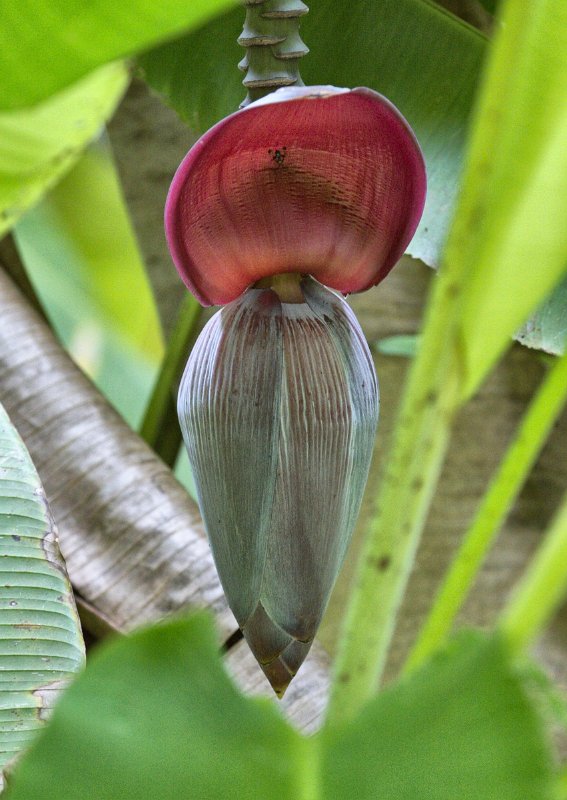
[316, 180]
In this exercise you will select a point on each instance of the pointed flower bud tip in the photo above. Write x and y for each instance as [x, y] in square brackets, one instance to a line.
[323, 181]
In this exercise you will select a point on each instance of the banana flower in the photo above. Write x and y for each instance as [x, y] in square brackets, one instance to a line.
[280, 209]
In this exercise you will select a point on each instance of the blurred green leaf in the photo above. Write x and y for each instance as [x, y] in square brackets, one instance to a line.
[156, 716]
[82, 256]
[547, 328]
[549, 697]
[41, 645]
[405, 346]
[45, 46]
[424, 59]
[461, 727]
[82, 229]
[160, 426]
[508, 246]
[38, 145]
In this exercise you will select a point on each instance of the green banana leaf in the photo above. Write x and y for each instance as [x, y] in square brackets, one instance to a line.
[547, 329]
[38, 145]
[170, 724]
[83, 259]
[41, 644]
[45, 46]
[507, 248]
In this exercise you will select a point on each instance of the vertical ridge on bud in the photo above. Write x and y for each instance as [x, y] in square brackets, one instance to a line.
[306, 546]
[362, 382]
[329, 412]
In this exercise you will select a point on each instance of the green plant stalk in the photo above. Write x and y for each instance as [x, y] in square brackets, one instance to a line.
[533, 431]
[541, 590]
[420, 442]
[273, 46]
[451, 360]
[160, 427]
[309, 770]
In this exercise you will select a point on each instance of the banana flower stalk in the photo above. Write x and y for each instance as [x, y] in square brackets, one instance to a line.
[280, 209]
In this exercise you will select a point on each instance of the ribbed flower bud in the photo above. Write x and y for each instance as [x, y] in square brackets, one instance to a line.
[278, 408]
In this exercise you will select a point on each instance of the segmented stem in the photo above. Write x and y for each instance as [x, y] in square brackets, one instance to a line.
[273, 46]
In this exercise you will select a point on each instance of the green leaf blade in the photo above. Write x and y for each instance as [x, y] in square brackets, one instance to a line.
[41, 645]
[38, 145]
[508, 244]
[546, 329]
[461, 727]
[80, 235]
[155, 715]
[76, 37]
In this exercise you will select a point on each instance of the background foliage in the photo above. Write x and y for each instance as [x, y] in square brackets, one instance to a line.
[462, 723]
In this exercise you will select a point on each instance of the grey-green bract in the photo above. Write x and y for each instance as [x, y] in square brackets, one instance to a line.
[278, 408]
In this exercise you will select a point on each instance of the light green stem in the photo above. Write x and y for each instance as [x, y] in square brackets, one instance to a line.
[420, 443]
[309, 769]
[160, 428]
[542, 588]
[505, 486]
